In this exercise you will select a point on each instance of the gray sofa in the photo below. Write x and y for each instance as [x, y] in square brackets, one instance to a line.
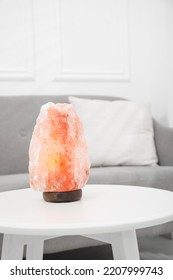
[17, 120]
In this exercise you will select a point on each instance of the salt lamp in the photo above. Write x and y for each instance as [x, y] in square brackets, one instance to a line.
[58, 156]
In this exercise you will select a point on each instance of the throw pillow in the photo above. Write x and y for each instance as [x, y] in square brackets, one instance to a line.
[117, 132]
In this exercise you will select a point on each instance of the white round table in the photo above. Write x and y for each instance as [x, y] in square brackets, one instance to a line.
[108, 213]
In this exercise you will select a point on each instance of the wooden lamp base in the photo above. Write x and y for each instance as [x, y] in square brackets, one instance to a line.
[62, 196]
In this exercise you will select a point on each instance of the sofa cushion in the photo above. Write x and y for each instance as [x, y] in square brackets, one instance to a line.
[117, 132]
[147, 176]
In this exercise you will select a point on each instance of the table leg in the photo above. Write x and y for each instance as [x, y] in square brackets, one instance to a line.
[34, 249]
[124, 244]
[12, 247]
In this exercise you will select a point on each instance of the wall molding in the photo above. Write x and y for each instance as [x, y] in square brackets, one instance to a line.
[122, 74]
[24, 74]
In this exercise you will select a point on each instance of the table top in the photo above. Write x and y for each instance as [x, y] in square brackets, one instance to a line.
[103, 208]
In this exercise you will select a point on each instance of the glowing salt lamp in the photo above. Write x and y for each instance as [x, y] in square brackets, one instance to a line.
[58, 156]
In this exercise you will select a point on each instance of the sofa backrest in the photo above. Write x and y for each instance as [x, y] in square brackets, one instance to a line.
[17, 120]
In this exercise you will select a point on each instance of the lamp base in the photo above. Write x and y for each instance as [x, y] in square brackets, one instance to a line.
[62, 196]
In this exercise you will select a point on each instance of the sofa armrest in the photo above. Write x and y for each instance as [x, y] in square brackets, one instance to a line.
[14, 182]
[164, 144]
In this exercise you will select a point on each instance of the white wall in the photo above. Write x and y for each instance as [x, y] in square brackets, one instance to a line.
[114, 47]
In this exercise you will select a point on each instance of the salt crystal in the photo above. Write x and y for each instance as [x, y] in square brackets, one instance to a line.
[58, 154]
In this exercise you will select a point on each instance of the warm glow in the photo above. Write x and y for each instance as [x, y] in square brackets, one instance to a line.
[58, 152]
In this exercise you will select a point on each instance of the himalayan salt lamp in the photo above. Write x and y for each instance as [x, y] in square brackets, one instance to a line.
[58, 156]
